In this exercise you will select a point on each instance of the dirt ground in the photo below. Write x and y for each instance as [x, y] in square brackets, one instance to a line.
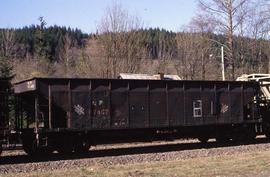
[184, 158]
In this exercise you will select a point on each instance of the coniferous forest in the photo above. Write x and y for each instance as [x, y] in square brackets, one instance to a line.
[126, 45]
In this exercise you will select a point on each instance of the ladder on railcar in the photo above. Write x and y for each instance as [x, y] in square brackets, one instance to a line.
[263, 79]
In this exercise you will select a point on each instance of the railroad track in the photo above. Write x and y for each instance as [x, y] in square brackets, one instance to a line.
[12, 147]
[18, 162]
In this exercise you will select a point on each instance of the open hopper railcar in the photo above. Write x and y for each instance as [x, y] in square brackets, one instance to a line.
[72, 114]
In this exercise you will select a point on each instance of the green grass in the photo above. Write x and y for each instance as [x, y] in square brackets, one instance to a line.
[247, 164]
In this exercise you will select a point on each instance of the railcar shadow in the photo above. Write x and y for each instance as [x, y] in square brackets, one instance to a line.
[125, 151]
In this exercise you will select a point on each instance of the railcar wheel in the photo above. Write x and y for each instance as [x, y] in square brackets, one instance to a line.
[82, 147]
[64, 150]
[267, 134]
[250, 136]
[244, 138]
[1, 148]
[30, 147]
[223, 139]
[266, 129]
[245, 135]
[65, 147]
[203, 139]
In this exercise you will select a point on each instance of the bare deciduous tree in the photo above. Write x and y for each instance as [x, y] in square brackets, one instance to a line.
[203, 28]
[8, 43]
[66, 56]
[121, 41]
[188, 63]
[227, 15]
[197, 58]
[7, 52]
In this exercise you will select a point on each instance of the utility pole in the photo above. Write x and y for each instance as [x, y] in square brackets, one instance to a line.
[222, 58]
[222, 63]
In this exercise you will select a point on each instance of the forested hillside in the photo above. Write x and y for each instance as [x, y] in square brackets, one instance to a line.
[123, 44]
[29, 40]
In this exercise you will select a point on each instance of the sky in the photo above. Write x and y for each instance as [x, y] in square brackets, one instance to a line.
[86, 14]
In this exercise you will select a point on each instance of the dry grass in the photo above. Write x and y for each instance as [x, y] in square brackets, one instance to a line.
[247, 164]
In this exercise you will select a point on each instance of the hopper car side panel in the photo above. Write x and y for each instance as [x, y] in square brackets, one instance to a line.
[120, 104]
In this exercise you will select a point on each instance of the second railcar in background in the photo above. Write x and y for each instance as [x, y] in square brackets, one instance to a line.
[72, 114]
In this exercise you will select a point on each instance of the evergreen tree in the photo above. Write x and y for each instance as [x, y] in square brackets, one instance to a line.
[6, 70]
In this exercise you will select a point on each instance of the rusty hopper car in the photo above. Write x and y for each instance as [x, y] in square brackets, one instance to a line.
[4, 110]
[71, 114]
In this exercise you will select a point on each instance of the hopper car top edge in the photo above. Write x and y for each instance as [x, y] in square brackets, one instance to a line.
[167, 80]
[248, 83]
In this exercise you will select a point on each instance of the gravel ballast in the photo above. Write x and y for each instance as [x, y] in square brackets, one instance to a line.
[129, 158]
